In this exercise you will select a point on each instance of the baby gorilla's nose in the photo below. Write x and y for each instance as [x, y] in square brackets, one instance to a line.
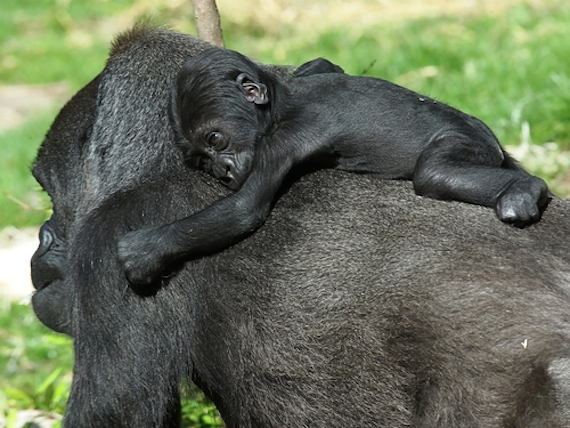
[225, 170]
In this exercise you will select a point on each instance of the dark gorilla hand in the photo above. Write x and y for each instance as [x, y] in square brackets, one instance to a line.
[141, 255]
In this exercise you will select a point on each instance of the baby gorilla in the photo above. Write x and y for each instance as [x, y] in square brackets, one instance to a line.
[249, 128]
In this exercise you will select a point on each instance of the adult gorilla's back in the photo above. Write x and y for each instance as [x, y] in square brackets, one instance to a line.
[357, 304]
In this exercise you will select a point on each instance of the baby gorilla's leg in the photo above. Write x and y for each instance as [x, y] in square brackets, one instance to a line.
[458, 168]
[522, 201]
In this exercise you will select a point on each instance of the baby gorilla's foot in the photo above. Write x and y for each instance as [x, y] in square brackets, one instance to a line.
[521, 203]
[142, 256]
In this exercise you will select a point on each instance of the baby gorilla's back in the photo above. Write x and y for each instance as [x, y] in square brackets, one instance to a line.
[372, 125]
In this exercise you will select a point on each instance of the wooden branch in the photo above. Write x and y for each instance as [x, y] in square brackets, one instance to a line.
[208, 21]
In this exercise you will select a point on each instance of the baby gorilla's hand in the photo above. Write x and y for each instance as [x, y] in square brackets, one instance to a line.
[521, 203]
[142, 257]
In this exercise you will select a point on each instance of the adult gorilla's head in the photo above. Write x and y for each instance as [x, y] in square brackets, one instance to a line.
[357, 304]
[109, 164]
[58, 168]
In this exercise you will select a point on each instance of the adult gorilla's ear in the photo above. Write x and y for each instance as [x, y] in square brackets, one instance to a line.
[255, 92]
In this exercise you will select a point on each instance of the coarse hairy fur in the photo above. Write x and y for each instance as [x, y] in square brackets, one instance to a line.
[344, 309]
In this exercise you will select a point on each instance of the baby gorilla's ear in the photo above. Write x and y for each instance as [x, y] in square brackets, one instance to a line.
[255, 92]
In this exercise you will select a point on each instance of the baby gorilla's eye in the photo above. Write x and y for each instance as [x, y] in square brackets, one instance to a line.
[216, 140]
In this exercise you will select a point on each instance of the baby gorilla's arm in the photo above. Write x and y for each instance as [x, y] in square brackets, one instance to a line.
[146, 253]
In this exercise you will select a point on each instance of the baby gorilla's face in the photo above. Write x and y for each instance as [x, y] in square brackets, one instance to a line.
[230, 166]
[223, 150]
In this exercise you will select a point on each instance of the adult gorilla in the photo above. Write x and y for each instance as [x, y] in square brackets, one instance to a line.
[357, 304]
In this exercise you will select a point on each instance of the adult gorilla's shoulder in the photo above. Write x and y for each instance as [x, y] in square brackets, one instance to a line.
[358, 303]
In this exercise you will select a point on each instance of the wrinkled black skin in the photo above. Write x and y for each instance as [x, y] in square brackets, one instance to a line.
[344, 310]
[267, 125]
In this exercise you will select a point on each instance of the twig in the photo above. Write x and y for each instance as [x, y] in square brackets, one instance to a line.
[208, 21]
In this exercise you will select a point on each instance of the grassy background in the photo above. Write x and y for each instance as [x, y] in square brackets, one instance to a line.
[505, 62]
[504, 65]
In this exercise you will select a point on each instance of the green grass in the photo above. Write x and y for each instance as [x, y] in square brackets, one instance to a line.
[43, 42]
[510, 70]
[21, 202]
[36, 364]
[51, 40]
[505, 70]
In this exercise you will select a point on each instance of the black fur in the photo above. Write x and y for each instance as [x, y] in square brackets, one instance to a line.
[317, 66]
[251, 127]
[345, 309]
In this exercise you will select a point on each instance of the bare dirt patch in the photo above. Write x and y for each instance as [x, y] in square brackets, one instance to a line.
[16, 250]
